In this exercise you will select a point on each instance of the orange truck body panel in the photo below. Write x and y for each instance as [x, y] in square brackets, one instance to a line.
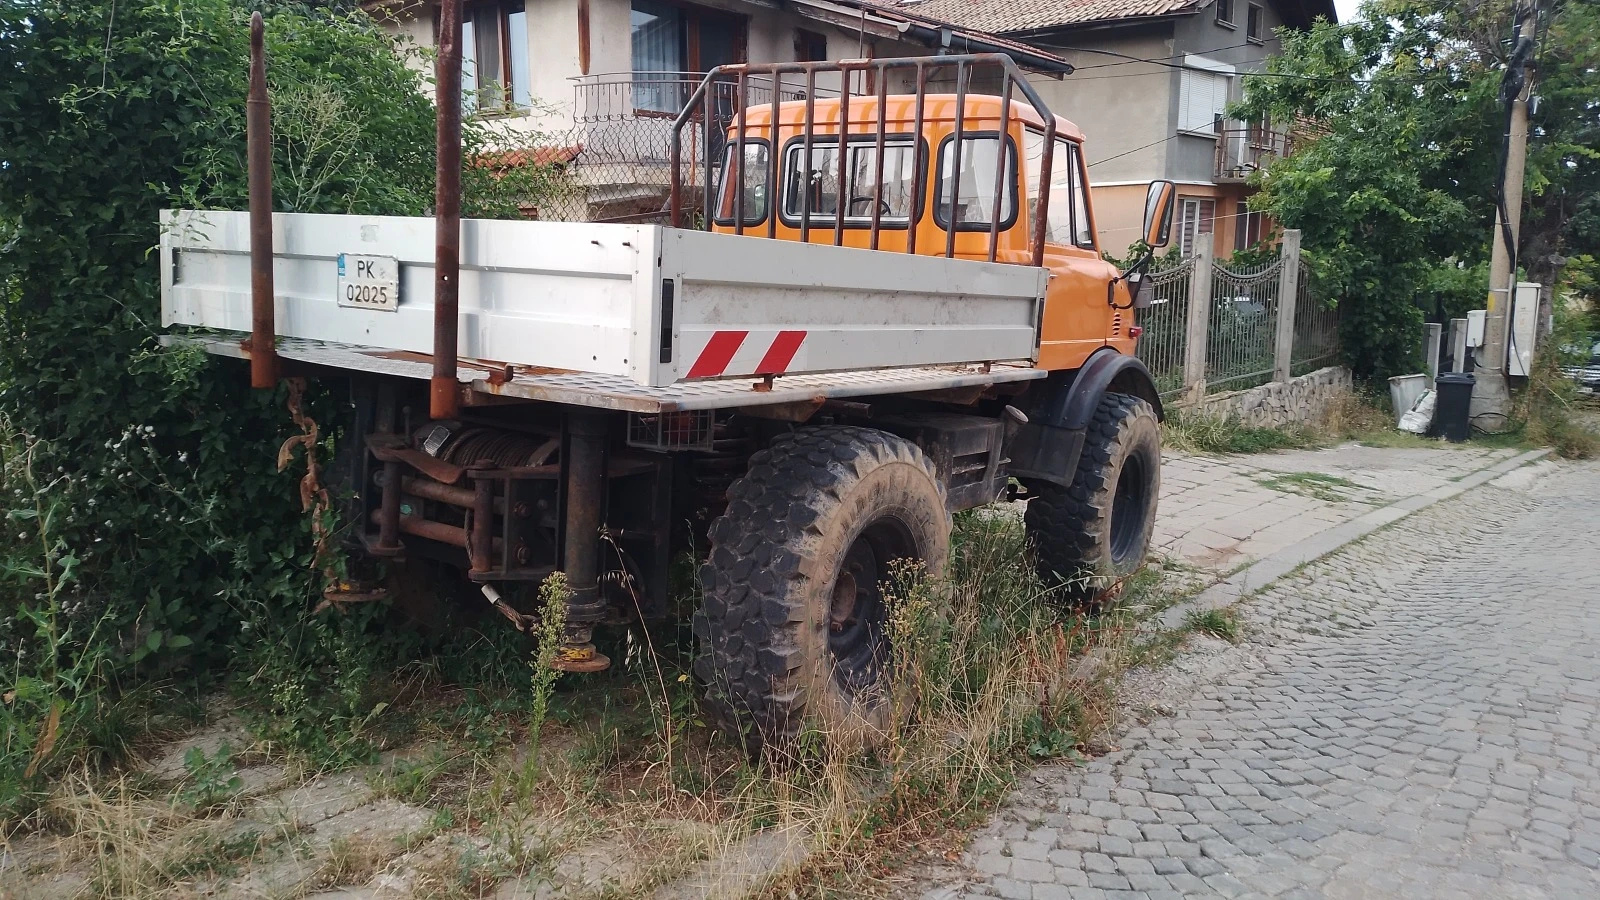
[1078, 320]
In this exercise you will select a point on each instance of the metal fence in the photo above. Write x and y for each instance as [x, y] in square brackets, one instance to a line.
[1243, 326]
[1316, 328]
[1165, 341]
[1235, 338]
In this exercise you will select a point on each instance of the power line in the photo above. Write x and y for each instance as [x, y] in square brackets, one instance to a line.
[1134, 150]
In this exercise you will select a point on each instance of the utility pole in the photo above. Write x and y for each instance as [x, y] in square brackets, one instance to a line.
[1491, 398]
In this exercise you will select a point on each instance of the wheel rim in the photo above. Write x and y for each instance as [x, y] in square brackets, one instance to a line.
[858, 639]
[1128, 511]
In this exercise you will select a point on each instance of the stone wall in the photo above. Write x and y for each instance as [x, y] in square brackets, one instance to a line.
[1301, 401]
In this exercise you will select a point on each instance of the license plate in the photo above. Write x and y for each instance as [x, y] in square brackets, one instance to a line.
[369, 282]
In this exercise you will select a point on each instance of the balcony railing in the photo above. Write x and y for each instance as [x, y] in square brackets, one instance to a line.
[1243, 150]
[621, 96]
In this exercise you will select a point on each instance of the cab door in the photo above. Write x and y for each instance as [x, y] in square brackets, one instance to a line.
[1078, 319]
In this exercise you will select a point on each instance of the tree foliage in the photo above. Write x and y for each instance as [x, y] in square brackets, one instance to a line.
[146, 520]
[1395, 181]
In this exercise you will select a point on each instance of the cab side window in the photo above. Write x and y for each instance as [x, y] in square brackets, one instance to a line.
[1067, 220]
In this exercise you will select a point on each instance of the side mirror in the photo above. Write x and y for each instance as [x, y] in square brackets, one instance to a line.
[1159, 203]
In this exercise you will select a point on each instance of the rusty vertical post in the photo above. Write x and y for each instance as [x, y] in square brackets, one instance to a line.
[882, 79]
[258, 130]
[1000, 167]
[774, 142]
[956, 142]
[584, 464]
[736, 159]
[916, 151]
[805, 165]
[447, 213]
[841, 200]
[389, 514]
[480, 539]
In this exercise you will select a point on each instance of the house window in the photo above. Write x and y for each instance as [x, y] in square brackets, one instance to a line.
[494, 57]
[1067, 219]
[1256, 24]
[1248, 227]
[1202, 95]
[1196, 216]
[816, 189]
[810, 46]
[1225, 13]
[673, 39]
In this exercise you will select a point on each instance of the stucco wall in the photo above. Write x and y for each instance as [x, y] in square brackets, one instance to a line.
[553, 48]
[1193, 158]
[1122, 106]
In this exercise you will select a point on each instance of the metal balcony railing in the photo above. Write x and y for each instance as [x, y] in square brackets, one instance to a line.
[1243, 150]
[621, 96]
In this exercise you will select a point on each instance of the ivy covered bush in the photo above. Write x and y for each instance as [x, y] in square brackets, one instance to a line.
[146, 527]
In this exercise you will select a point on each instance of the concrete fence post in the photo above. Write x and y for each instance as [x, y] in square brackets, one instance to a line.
[1199, 323]
[1288, 293]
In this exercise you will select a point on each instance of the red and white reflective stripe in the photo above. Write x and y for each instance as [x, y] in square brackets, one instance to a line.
[729, 352]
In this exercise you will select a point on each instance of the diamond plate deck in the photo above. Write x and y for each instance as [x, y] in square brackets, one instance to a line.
[619, 393]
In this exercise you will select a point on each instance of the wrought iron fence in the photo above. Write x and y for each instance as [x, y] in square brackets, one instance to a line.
[1166, 325]
[1243, 326]
[1316, 328]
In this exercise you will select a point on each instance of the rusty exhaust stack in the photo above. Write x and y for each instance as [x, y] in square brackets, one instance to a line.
[258, 129]
[447, 213]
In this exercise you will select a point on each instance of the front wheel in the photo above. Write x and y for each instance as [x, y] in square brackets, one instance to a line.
[794, 631]
[1087, 536]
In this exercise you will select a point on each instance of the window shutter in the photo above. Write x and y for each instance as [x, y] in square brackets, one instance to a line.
[1202, 96]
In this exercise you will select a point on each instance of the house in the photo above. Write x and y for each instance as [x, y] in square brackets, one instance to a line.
[596, 83]
[1153, 79]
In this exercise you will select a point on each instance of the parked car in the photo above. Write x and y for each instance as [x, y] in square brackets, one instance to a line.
[1586, 374]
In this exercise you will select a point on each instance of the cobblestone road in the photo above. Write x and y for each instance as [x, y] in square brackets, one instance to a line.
[1416, 716]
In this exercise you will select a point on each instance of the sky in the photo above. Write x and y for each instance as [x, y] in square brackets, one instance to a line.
[1346, 8]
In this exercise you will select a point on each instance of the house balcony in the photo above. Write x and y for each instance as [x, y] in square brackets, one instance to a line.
[622, 136]
[1243, 150]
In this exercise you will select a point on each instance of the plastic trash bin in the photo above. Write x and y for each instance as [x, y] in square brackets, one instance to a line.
[1404, 392]
[1452, 415]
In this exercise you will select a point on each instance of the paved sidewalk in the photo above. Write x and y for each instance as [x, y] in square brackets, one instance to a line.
[1415, 716]
[1218, 513]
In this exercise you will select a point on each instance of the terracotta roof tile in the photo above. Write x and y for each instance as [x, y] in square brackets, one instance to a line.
[1001, 16]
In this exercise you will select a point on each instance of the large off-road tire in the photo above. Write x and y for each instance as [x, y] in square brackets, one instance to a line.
[1087, 536]
[792, 634]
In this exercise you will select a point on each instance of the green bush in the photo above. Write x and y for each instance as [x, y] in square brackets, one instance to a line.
[169, 526]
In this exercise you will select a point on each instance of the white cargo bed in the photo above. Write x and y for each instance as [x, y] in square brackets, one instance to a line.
[588, 298]
[618, 393]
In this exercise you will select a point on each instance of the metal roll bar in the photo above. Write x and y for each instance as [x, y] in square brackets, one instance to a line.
[699, 105]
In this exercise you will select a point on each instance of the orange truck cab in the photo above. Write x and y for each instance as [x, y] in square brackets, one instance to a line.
[898, 197]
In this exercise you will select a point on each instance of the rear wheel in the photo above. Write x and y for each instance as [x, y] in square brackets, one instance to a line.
[794, 631]
[1087, 536]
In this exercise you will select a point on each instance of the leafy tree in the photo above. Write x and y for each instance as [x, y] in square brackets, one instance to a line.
[1395, 183]
[146, 521]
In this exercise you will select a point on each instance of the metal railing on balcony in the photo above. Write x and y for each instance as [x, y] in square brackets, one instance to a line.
[621, 135]
[622, 96]
[1243, 150]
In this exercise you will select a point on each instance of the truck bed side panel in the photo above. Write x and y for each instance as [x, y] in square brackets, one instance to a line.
[753, 306]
